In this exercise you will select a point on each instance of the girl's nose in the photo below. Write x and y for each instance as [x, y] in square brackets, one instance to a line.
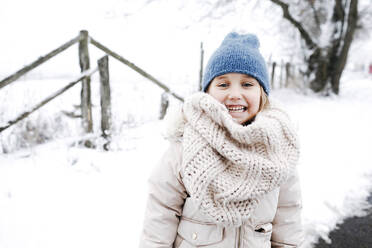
[234, 94]
[234, 97]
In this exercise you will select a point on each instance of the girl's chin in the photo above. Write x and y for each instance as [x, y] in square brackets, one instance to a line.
[240, 117]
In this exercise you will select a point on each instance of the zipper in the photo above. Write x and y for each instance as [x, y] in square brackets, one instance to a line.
[238, 236]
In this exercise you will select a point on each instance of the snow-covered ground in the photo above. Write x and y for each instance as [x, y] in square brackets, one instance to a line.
[62, 195]
[335, 165]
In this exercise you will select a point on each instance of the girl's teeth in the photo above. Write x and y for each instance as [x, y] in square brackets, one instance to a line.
[236, 109]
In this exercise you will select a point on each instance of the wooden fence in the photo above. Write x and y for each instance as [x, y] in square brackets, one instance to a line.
[282, 75]
[86, 72]
[285, 71]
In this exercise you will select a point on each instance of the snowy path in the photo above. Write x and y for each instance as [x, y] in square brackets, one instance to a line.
[353, 232]
[56, 195]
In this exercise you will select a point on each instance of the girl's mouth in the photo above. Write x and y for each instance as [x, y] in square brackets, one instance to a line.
[236, 109]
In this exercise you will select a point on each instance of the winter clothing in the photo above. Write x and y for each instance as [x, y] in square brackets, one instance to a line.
[227, 166]
[201, 203]
[237, 53]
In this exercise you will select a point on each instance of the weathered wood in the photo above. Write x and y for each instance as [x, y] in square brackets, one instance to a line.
[273, 75]
[59, 92]
[86, 103]
[105, 96]
[288, 75]
[134, 67]
[201, 66]
[163, 105]
[38, 62]
[281, 75]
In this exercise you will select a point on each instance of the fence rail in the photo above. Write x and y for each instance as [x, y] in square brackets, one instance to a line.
[8, 80]
[87, 121]
[134, 67]
[48, 99]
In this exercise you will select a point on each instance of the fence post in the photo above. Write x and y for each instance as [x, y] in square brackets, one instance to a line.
[273, 74]
[281, 75]
[201, 66]
[86, 104]
[287, 74]
[163, 105]
[105, 99]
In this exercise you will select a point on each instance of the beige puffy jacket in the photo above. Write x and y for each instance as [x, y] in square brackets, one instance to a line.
[171, 220]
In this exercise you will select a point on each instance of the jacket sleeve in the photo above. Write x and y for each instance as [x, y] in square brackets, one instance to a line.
[287, 226]
[165, 202]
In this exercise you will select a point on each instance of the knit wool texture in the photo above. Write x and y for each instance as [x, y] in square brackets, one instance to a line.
[227, 167]
[237, 53]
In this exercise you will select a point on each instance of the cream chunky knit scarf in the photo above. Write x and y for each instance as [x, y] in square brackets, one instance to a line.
[227, 167]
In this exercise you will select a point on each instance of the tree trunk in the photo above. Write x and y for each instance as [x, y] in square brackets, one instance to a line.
[318, 65]
[326, 64]
[348, 39]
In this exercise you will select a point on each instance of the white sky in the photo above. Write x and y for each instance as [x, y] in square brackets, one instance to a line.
[152, 36]
[33, 28]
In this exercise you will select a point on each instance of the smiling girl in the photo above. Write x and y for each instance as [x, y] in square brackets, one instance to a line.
[240, 93]
[229, 177]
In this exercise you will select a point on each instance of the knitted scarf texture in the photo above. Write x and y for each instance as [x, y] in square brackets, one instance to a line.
[226, 166]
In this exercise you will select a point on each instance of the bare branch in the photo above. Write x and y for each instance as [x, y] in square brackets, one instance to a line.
[304, 34]
[316, 17]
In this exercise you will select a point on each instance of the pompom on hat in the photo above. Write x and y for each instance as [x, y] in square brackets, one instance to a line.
[237, 53]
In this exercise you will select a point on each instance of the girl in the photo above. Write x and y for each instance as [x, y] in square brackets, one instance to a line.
[229, 176]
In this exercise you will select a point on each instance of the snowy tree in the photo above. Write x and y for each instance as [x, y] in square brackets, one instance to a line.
[327, 30]
[324, 30]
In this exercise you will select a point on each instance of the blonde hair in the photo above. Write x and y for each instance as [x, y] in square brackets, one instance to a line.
[264, 101]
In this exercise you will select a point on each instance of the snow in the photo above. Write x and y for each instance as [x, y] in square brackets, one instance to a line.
[335, 164]
[62, 195]
[59, 194]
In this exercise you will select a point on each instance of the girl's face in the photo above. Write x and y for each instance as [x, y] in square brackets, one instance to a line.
[240, 93]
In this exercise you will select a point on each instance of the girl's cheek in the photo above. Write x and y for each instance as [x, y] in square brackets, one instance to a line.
[256, 94]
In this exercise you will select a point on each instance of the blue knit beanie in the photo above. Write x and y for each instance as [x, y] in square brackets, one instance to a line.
[237, 53]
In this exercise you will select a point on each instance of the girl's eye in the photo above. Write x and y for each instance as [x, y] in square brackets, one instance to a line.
[247, 84]
[223, 85]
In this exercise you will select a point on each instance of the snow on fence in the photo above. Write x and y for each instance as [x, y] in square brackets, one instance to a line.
[86, 106]
[283, 74]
